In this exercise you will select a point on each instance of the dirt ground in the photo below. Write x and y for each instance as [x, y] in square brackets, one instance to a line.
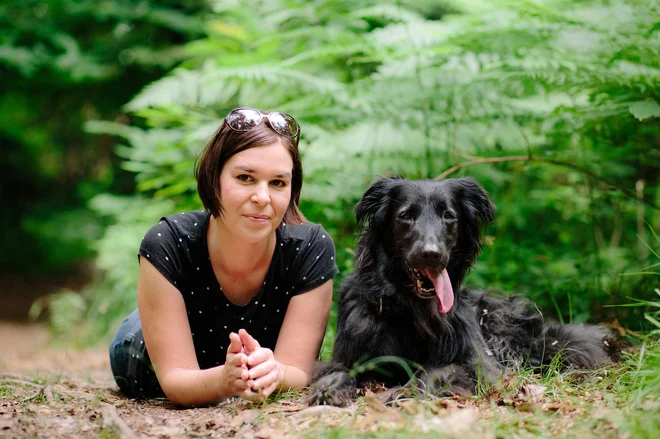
[61, 393]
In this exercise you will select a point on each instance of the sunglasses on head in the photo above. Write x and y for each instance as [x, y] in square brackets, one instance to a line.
[245, 119]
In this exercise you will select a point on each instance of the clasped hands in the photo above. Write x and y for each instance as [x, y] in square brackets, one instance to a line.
[250, 371]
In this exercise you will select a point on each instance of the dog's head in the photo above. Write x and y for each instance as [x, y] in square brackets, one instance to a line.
[434, 226]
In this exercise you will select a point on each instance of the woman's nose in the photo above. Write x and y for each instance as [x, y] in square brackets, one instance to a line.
[261, 195]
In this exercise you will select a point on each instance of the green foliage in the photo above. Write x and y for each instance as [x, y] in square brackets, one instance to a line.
[645, 109]
[551, 104]
[114, 290]
[63, 63]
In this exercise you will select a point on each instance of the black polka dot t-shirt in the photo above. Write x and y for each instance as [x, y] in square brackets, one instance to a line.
[304, 258]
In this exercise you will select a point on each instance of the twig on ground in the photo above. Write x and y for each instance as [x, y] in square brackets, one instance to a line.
[75, 393]
[319, 409]
[21, 382]
[113, 421]
[45, 391]
[48, 393]
[14, 388]
[13, 376]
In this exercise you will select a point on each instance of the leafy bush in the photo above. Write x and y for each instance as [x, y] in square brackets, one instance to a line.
[552, 105]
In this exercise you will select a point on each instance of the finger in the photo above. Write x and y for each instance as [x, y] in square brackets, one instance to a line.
[259, 356]
[241, 384]
[270, 389]
[250, 343]
[235, 345]
[265, 381]
[261, 369]
[251, 396]
[238, 360]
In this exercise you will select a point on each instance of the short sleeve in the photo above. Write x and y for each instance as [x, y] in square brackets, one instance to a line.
[315, 261]
[161, 246]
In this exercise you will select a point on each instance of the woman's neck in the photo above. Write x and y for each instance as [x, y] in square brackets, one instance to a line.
[233, 256]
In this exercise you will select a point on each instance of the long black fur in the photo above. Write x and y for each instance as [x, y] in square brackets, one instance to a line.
[435, 225]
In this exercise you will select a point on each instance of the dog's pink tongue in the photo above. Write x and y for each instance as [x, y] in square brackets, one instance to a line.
[443, 290]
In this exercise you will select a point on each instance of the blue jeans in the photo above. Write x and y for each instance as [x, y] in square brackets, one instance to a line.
[130, 363]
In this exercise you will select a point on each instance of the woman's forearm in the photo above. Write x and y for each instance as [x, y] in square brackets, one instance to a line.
[187, 387]
[293, 378]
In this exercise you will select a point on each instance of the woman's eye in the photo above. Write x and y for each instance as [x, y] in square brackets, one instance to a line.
[278, 183]
[244, 177]
[448, 215]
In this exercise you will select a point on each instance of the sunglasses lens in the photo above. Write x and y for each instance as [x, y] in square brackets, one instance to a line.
[283, 124]
[243, 119]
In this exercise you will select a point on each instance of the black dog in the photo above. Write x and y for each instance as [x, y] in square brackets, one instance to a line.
[404, 300]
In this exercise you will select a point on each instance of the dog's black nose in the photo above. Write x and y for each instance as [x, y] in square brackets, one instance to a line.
[430, 254]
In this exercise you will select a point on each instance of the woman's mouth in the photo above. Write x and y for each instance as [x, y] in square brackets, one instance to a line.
[259, 219]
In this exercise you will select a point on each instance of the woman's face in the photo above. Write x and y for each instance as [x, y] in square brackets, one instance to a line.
[255, 191]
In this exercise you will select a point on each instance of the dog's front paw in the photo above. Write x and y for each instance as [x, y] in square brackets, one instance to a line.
[451, 380]
[403, 392]
[336, 388]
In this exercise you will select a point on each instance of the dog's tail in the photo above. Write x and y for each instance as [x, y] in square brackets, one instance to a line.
[574, 346]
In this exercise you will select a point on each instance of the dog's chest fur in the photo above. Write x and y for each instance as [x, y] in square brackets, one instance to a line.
[429, 338]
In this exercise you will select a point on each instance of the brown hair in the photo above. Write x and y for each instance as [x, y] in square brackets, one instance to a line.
[227, 142]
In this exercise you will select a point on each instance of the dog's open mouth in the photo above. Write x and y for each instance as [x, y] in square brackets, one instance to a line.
[422, 285]
[427, 285]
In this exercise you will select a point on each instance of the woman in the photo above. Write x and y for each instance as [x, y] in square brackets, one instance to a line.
[234, 299]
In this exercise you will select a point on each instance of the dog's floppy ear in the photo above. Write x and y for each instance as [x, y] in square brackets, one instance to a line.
[477, 212]
[371, 210]
[477, 207]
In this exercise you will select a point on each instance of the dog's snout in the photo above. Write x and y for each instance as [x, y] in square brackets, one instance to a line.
[428, 254]
[431, 254]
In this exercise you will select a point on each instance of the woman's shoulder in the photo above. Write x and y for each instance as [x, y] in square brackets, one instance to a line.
[179, 230]
[174, 241]
[190, 224]
[304, 238]
[307, 231]
[310, 253]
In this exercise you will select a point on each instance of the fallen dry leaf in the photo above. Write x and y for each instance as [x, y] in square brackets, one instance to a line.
[456, 422]
[443, 405]
[533, 391]
[374, 402]
[318, 410]
[283, 408]
[374, 421]
[248, 416]
[523, 406]
[267, 432]
[410, 407]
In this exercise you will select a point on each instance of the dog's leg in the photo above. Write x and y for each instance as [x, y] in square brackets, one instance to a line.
[509, 326]
[332, 385]
[472, 372]
[452, 380]
[360, 336]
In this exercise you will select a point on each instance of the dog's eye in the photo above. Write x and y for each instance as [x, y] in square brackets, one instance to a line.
[405, 215]
[448, 215]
